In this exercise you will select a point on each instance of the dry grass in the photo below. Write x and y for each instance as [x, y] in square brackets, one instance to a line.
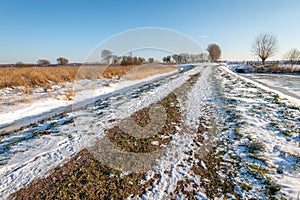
[31, 76]
[41, 76]
[70, 94]
[144, 71]
[282, 68]
[26, 90]
[26, 99]
[98, 72]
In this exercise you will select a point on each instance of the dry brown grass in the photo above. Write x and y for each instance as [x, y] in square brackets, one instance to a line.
[98, 72]
[282, 68]
[35, 76]
[26, 99]
[41, 76]
[144, 71]
[26, 90]
[70, 94]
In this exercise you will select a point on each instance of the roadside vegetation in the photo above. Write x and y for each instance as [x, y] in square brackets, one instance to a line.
[40, 76]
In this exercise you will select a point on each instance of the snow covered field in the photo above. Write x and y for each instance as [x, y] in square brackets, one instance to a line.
[227, 137]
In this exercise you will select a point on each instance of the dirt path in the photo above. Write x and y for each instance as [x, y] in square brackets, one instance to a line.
[84, 176]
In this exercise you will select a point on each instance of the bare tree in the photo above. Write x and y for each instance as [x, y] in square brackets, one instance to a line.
[43, 62]
[115, 59]
[106, 55]
[151, 60]
[184, 57]
[62, 61]
[166, 59]
[179, 59]
[141, 60]
[193, 58]
[175, 57]
[293, 55]
[214, 52]
[264, 46]
[202, 57]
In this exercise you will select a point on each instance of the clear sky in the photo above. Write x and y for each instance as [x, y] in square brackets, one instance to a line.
[34, 29]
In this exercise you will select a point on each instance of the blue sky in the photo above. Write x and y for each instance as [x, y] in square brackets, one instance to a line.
[34, 29]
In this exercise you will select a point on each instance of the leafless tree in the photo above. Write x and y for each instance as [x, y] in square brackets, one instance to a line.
[115, 59]
[214, 52]
[43, 62]
[184, 57]
[175, 57]
[141, 60]
[166, 59]
[264, 46]
[106, 55]
[151, 60]
[293, 55]
[62, 61]
[193, 58]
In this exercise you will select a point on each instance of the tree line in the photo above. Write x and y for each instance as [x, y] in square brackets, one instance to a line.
[264, 46]
[185, 58]
[44, 62]
[108, 57]
[213, 54]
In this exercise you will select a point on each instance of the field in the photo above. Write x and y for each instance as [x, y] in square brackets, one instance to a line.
[39, 76]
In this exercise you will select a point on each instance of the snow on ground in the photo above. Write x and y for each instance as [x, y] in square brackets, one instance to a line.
[258, 139]
[22, 102]
[33, 151]
[176, 161]
[292, 100]
[267, 131]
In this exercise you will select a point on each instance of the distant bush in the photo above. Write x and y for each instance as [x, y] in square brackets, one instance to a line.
[20, 64]
[151, 60]
[43, 62]
[128, 60]
[277, 68]
[62, 61]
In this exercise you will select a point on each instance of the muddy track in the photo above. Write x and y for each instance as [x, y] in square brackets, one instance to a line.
[84, 177]
[49, 126]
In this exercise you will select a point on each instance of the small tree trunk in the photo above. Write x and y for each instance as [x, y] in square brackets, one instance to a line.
[263, 61]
